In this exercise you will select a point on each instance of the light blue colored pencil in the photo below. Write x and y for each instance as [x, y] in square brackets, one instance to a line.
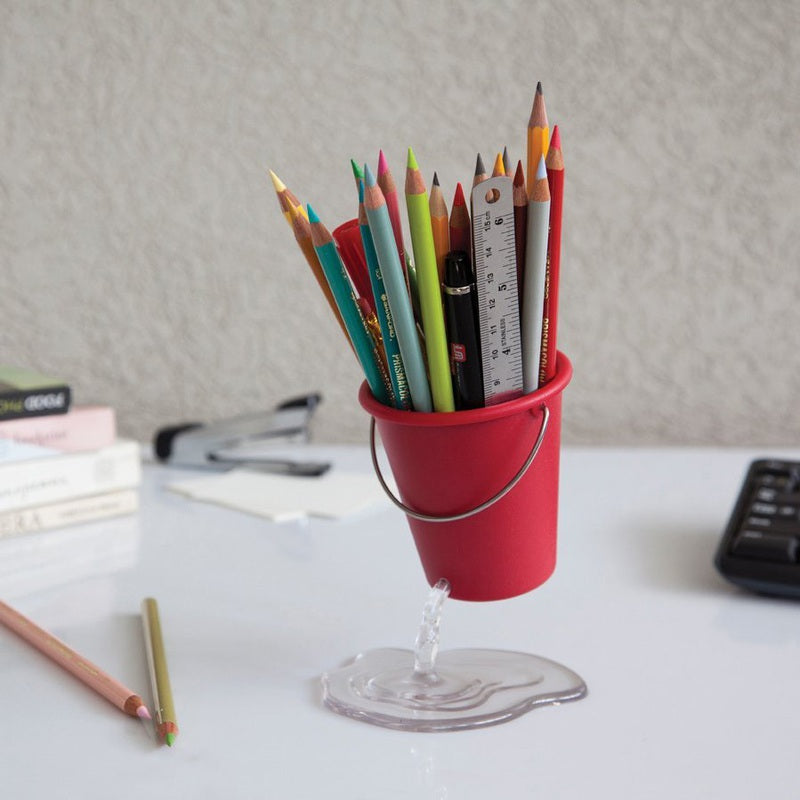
[357, 330]
[397, 372]
[535, 271]
[380, 227]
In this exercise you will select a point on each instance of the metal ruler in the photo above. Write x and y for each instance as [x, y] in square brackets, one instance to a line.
[495, 264]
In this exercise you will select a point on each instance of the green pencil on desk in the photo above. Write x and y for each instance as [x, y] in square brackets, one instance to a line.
[166, 719]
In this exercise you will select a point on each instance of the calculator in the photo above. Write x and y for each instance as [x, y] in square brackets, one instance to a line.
[760, 549]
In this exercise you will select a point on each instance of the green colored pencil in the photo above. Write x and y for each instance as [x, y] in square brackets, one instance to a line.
[430, 295]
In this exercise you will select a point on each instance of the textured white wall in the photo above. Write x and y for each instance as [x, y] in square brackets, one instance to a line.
[144, 257]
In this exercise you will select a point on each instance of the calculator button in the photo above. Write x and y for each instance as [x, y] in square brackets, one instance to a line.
[759, 522]
[766, 495]
[788, 512]
[766, 546]
[764, 508]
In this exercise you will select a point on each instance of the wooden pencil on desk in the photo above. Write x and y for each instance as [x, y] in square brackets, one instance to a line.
[430, 293]
[535, 271]
[520, 224]
[166, 719]
[339, 282]
[74, 663]
[460, 228]
[439, 225]
[538, 135]
[555, 180]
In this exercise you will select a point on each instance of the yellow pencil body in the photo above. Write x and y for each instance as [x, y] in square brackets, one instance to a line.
[166, 720]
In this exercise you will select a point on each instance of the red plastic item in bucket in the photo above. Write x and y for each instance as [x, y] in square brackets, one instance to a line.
[447, 465]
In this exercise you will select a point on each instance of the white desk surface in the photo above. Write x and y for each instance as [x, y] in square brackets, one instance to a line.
[693, 684]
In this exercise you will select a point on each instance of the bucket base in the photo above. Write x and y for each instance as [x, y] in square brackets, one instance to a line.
[469, 689]
[423, 690]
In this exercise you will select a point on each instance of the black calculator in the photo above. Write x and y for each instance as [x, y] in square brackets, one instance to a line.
[760, 549]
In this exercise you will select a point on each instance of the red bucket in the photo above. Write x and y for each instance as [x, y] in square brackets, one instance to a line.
[480, 488]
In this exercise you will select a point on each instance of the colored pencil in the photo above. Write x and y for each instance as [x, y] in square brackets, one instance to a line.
[342, 290]
[389, 189]
[166, 719]
[507, 162]
[480, 172]
[430, 293]
[302, 234]
[460, 227]
[538, 135]
[439, 224]
[380, 226]
[499, 167]
[286, 199]
[74, 663]
[535, 268]
[520, 224]
[391, 347]
[358, 172]
[348, 241]
[555, 180]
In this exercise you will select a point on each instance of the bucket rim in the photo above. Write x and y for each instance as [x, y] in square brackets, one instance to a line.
[527, 402]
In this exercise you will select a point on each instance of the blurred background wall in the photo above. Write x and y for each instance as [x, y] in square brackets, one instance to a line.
[143, 256]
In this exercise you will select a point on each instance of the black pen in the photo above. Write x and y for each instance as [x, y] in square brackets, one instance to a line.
[461, 314]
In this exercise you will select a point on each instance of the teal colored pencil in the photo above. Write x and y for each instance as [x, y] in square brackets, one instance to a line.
[534, 283]
[380, 227]
[397, 372]
[357, 330]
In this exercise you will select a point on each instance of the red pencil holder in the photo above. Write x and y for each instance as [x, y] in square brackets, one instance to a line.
[479, 488]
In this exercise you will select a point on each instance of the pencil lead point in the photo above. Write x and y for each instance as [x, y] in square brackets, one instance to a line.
[412, 160]
[143, 713]
[382, 165]
[458, 199]
[479, 167]
[312, 215]
[357, 171]
[555, 139]
[541, 170]
[369, 178]
[277, 182]
[539, 88]
[519, 175]
[435, 179]
[169, 738]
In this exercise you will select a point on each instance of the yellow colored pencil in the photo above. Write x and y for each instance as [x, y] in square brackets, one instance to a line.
[286, 198]
[430, 295]
[538, 136]
[166, 720]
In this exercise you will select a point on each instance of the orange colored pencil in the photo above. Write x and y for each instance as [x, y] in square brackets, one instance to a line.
[439, 224]
[74, 663]
[555, 178]
[538, 135]
[302, 233]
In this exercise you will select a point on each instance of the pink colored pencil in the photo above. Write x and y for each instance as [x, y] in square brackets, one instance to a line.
[385, 180]
[83, 669]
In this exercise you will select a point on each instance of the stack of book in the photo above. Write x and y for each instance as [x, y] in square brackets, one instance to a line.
[60, 464]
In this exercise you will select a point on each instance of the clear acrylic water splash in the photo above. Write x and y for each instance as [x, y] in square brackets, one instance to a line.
[425, 690]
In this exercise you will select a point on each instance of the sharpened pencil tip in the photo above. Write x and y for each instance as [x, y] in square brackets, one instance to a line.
[382, 165]
[555, 139]
[541, 170]
[458, 199]
[357, 171]
[369, 178]
[169, 739]
[539, 88]
[143, 713]
[412, 160]
[480, 169]
[435, 179]
[312, 215]
[277, 182]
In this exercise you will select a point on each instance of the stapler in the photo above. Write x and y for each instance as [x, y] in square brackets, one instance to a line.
[237, 441]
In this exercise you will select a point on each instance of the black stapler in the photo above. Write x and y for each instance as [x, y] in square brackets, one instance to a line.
[236, 442]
